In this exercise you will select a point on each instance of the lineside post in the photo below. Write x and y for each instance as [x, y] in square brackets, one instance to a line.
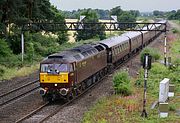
[22, 46]
[146, 66]
[165, 49]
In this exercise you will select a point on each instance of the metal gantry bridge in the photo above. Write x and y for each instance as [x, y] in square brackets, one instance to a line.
[108, 26]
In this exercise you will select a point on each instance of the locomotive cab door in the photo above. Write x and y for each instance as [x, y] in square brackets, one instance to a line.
[72, 73]
[109, 54]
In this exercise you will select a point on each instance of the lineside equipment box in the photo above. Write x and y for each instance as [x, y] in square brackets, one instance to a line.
[164, 90]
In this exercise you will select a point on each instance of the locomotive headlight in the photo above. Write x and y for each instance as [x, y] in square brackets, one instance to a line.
[55, 85]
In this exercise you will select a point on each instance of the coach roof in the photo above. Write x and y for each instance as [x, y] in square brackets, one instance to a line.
[110, 42]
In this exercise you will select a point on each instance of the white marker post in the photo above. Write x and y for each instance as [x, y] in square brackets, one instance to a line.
[146, 66]
[22, 46]
[165, 49]
[163, 96]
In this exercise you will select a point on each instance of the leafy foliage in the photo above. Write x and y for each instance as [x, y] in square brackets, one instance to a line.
[124, 16]
[102, 14]
[4, 49]
[151, 51]
[174, 15]
[171, 15]
[91, 17]
[37, 45]
[122, 83]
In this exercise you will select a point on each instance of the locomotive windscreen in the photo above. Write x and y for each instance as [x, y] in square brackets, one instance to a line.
[55, 68]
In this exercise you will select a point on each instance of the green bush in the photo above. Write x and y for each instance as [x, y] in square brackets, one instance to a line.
[2, 70]
[5, 51]
[172, 107]
[174, 30]
[159, 69]
[122, 83]
[151, 51]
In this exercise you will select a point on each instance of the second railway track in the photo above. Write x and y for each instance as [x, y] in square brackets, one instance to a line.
[18, 92]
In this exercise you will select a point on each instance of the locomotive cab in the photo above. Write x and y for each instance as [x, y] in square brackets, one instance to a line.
[56, 78]
[58, 73]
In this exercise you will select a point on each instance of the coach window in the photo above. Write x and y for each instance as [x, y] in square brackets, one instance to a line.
[126, 45]
[116, 50]
[113, 51]
[120, 48]
[123, 46]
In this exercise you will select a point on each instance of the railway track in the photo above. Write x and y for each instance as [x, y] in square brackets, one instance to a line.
[40, 114]
[17, 93]
[34, 115]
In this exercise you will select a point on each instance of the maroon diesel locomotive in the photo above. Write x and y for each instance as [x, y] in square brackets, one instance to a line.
[68, 73]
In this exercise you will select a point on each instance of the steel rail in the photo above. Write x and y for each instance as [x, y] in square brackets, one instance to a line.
[30, 83]
[33, 112]
[20, 95]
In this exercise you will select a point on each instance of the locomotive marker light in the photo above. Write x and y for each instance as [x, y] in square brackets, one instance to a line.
[146, 66]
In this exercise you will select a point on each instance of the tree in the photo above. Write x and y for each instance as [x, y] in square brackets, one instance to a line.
[62, 35]
[158, 13]
[174, 15]
[124, 16]
[116, 11]
[91, 17]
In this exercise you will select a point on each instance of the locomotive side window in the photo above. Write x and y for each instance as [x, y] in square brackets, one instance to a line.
[77, 57]
[84, 54]
[90, 52]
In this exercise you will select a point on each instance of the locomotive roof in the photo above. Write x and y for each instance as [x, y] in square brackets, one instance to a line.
[110, 42]
[74, 54]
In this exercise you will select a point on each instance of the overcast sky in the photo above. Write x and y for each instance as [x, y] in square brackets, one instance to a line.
[141, 5]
